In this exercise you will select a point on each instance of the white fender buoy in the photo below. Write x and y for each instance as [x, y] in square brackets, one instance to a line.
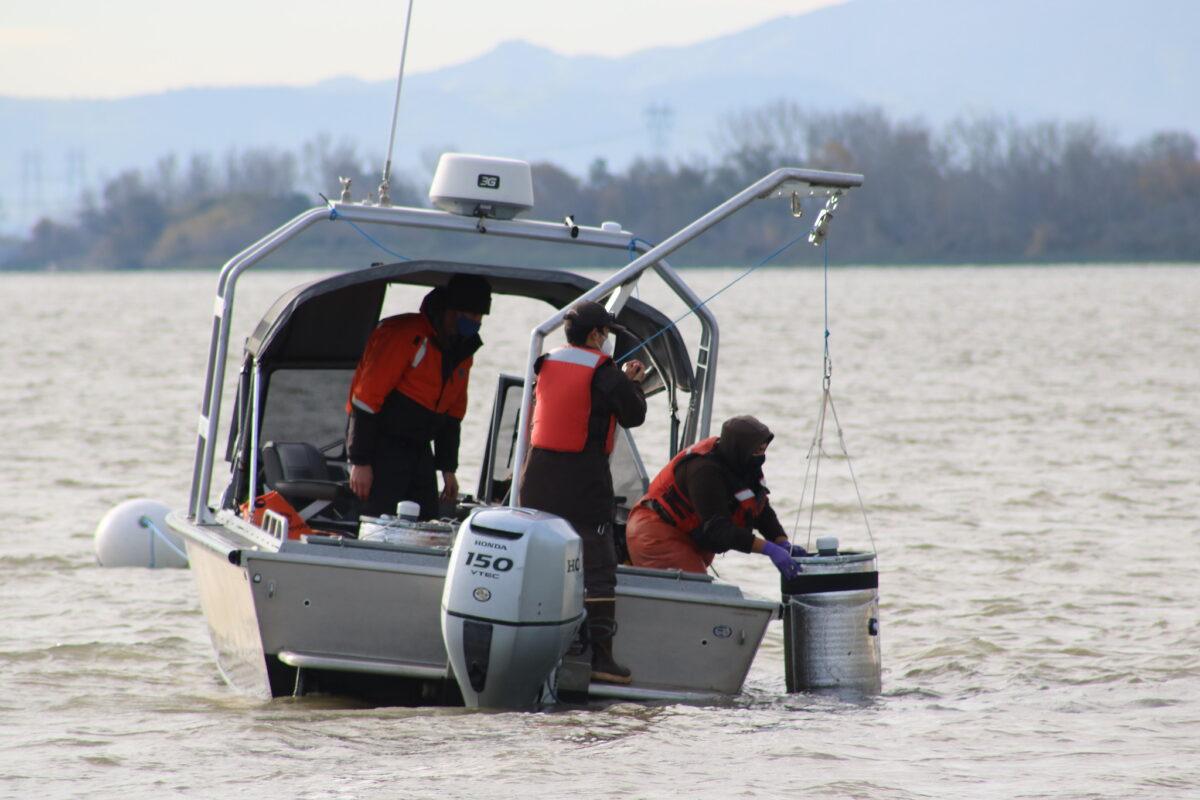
[135, 534]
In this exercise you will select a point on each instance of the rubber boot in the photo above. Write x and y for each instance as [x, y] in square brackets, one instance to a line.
[602, 625]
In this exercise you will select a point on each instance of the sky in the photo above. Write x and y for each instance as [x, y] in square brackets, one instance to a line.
[84, 48]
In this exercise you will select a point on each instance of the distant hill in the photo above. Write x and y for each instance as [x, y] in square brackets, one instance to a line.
[1129, 66]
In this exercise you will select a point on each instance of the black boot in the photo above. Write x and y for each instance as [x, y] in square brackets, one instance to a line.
[602, 626]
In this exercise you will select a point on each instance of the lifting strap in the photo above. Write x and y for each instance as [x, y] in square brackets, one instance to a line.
[817, 447]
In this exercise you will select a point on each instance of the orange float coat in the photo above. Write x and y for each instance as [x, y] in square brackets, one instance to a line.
[402, 356]
[406, 403]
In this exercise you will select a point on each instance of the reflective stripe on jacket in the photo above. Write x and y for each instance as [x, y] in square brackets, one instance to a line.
[563, 400]
[402, 356]
[672, 504]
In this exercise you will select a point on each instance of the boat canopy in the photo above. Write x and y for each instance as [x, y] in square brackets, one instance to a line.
[326, 323]
[299, 359]
[322, 327]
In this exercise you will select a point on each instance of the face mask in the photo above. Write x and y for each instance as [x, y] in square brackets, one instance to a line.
[467, 327]
[755, 464]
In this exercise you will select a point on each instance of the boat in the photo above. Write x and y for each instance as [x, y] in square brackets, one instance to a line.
[358, 605]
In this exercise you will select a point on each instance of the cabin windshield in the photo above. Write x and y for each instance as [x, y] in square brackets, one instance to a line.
[306, 405]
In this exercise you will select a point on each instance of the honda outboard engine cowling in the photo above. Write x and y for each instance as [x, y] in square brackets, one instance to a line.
[512, 604]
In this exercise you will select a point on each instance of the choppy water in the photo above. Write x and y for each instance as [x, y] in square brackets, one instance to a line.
[1027, 440]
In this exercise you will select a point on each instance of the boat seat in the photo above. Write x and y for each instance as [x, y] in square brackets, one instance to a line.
[299, 472]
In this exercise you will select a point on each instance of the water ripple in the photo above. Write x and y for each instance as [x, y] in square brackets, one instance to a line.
[1035, 518]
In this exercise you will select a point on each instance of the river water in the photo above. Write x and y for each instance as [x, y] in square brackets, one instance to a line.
[1027, 442]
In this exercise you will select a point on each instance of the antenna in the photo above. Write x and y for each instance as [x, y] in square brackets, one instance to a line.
[385, 184]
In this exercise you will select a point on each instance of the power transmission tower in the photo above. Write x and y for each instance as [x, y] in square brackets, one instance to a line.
[660, 118]
[75, 179]
[31, 186]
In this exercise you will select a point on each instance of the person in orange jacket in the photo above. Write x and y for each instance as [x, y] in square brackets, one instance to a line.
[579, 399]
[710, 499]
[408, 397]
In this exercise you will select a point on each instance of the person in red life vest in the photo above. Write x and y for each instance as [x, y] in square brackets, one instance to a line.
[579, 399]
[709, 499]
[410, 392]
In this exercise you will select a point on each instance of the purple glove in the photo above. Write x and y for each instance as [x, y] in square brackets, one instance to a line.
[798, 551]
[782, 559]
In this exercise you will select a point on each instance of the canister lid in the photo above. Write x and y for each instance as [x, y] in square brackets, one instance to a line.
[827, 546]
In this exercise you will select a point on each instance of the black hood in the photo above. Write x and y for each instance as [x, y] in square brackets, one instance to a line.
[455, 349]
[740, 437]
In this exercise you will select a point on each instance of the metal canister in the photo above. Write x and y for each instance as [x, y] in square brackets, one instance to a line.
[831, 623]
[401, 531]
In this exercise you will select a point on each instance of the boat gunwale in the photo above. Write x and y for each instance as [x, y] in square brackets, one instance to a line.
[713, 592]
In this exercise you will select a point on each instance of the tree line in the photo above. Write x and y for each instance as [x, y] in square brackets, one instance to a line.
[977, 191]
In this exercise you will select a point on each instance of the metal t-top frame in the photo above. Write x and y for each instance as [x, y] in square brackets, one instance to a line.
[620, 285]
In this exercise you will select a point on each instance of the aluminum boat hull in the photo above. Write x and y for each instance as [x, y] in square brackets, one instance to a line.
[287, 617]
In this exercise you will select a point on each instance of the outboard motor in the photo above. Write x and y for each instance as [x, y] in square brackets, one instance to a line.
[831, 623]
[512, 604]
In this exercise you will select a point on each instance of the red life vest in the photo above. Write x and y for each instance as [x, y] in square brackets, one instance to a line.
[273, 501]
[563, 400]
[668, 499]
[402, 356]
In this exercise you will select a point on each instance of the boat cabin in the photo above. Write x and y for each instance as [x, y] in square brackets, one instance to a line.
[288, 429]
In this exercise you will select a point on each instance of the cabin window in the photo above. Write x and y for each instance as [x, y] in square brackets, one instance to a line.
[306, 405]
[629, 475]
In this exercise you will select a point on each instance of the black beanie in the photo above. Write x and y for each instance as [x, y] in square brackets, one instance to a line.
[470, 293]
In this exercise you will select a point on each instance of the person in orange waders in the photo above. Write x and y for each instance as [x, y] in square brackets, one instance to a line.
[408, 397]
[709, 499]
[580, 397]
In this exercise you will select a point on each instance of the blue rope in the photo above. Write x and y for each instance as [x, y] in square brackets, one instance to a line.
[711, 297]
[633, 254]
[334, 215]
[633, 246]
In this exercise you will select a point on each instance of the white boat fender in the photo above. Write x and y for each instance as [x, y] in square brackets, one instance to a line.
[135, 534]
